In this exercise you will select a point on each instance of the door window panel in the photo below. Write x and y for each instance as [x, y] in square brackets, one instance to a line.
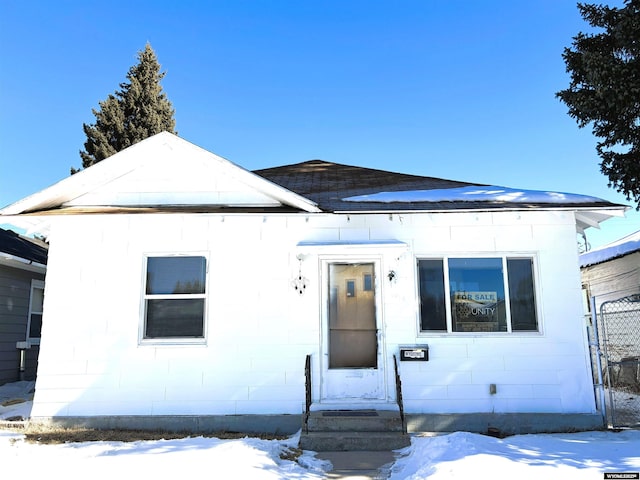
[353, 341]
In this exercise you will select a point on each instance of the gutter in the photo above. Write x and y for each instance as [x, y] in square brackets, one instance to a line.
[610, 210]
[21, 263]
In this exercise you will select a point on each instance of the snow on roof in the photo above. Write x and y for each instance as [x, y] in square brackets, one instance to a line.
[475, 194]
[624, 246]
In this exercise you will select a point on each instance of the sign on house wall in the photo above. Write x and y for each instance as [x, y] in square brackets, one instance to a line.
[475, 311]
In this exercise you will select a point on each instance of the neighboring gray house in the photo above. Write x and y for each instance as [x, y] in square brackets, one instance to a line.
[22, 270]
[612, 271]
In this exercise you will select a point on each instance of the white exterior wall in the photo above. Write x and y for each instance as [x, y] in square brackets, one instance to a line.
[259, 330]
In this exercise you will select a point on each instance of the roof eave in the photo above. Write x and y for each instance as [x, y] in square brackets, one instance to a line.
[587, 216]
[20, 263]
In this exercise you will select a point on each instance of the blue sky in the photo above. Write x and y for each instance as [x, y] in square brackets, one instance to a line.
[456, 89]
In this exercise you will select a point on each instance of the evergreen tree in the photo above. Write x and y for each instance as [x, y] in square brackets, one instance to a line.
[605, 90]
[138, 110]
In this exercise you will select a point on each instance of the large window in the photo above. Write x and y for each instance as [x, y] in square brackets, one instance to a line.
[494, 294]
[174, 299]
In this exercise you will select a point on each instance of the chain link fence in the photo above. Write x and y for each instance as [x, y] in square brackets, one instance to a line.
[618, 328]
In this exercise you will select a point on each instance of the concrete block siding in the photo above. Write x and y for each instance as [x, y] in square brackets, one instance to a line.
[259, 329]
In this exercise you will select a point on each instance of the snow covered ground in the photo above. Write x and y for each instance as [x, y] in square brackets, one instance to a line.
[460, 455]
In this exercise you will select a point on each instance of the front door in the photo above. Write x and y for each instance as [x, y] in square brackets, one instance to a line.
[352, 369]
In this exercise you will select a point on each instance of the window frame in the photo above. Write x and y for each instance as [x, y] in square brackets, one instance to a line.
[537, 298]
[35, 285]
[144, 296]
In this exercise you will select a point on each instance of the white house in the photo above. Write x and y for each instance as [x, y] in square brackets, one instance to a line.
[184, 291]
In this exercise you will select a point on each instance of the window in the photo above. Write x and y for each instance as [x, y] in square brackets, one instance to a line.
[351, 288]
[477, 295]
[36, 301]
[367, 282]
[174, 299]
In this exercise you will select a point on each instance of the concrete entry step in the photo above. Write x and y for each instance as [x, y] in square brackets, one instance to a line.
[354, 420]
[353, 430]
[353, 441]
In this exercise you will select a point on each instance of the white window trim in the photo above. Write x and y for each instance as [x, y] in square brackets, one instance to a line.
[504, 256]
[35, 284]
[143, 298]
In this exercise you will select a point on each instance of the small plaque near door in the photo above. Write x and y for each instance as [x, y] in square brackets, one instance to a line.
[414, 354]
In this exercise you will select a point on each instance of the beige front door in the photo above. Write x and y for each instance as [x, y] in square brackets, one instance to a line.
[352, 369]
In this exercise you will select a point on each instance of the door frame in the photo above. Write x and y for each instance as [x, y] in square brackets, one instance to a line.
[378, 374]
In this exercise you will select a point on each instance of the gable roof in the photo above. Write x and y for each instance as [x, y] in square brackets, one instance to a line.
[165, 173]
[20, 248]
[161, 172]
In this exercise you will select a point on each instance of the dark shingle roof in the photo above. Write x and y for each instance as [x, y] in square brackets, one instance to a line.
[328, 183]
[23, 247]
